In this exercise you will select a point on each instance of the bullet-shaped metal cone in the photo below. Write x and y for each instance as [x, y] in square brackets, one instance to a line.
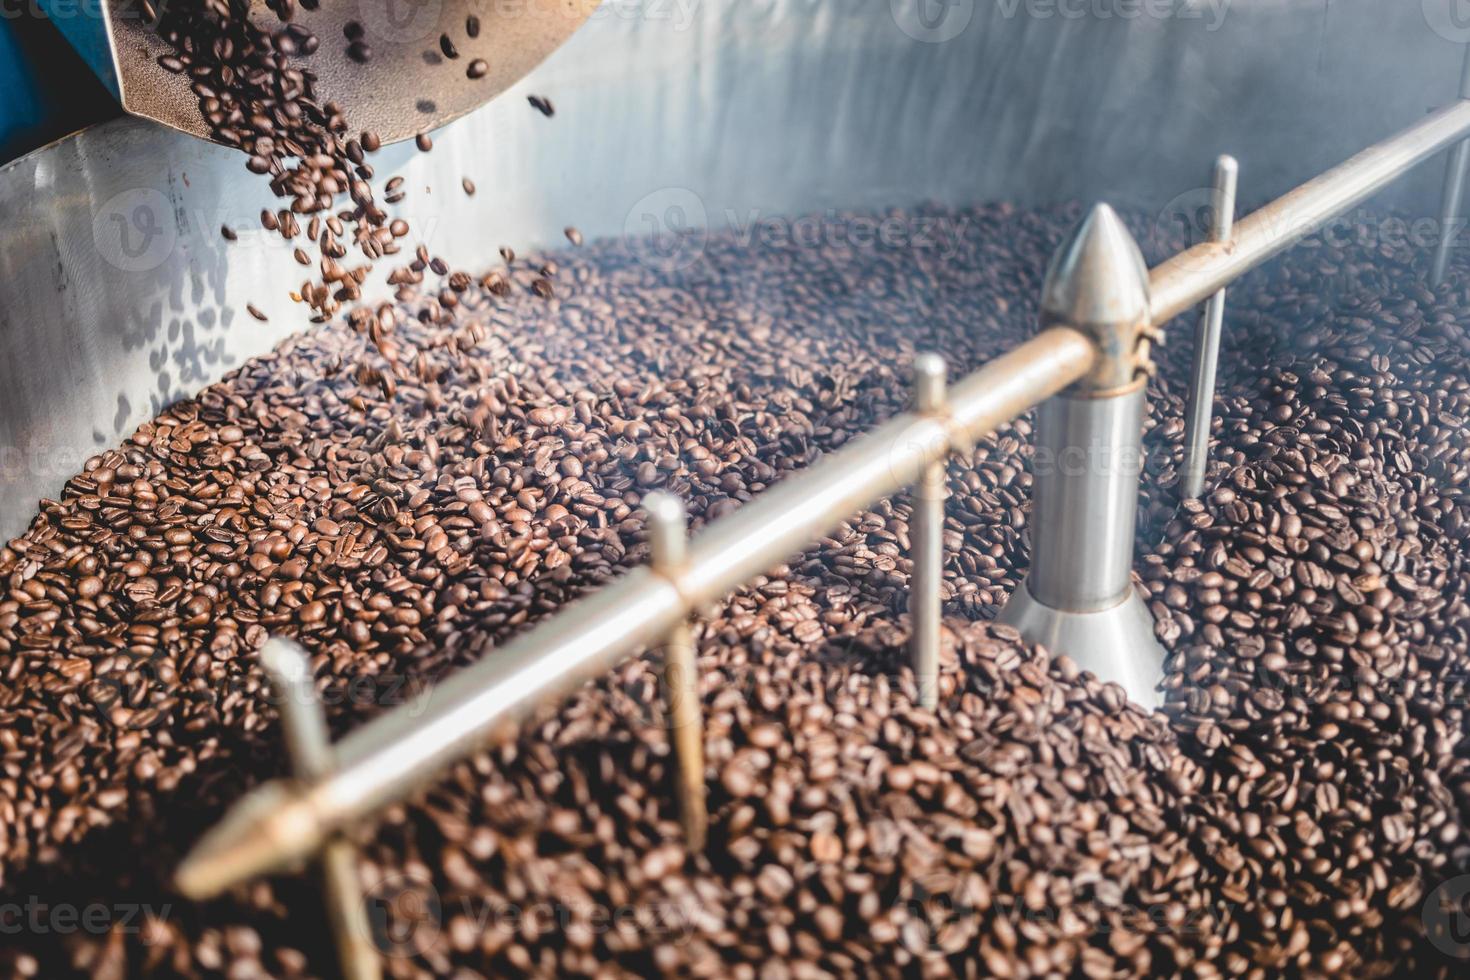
[271, 829]
[1097, 276]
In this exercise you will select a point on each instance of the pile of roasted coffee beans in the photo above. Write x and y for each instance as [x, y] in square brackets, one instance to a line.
[1315, 603]
[1295, 809]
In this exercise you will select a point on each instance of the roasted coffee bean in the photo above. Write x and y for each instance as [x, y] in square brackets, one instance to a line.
[478, 68]
[1289, 812]
[253, 97]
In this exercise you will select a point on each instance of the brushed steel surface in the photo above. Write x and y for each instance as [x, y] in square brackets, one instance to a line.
[1454, 191]
[1085, 499]
[1088, 439]
[1096, 282]
[303, 720]
[116, 295]
[1117, 644]
[1088, 463]
[1200, 412]
[668, 542]
[926, 536]
[1097, 276]
[408, 87]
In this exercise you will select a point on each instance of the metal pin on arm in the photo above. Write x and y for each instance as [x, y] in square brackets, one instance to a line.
[669, 537]
[1207, 341]
[1454, 191]
[926, 531]
[308, 743]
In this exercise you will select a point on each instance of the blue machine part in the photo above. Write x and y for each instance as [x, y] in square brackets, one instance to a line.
[82, 24]
[21, 108]
[46, 90]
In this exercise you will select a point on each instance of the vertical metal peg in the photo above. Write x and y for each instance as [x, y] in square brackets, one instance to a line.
[668, 536]
[1454, 191]
[308, 743]
[926, 533]
[1207, 342]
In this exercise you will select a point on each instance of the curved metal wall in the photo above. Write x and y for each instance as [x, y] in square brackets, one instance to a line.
[117, 294]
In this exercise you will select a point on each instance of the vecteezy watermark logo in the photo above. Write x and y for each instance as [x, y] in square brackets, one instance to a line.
[946, 908]
[678, 14]
[1450, 19]
[1190, 216]
[132, 230]
[669, 228]
[37, 917]
[404, 914]
[56, 10]
[932, 21]
[925, 439]
[400, 21]
[110, 696]
[1210, 12]
[1447, 917]
[51, 462]
[944, 911]
[1188, 221]
[62, 10]
[907, 232]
